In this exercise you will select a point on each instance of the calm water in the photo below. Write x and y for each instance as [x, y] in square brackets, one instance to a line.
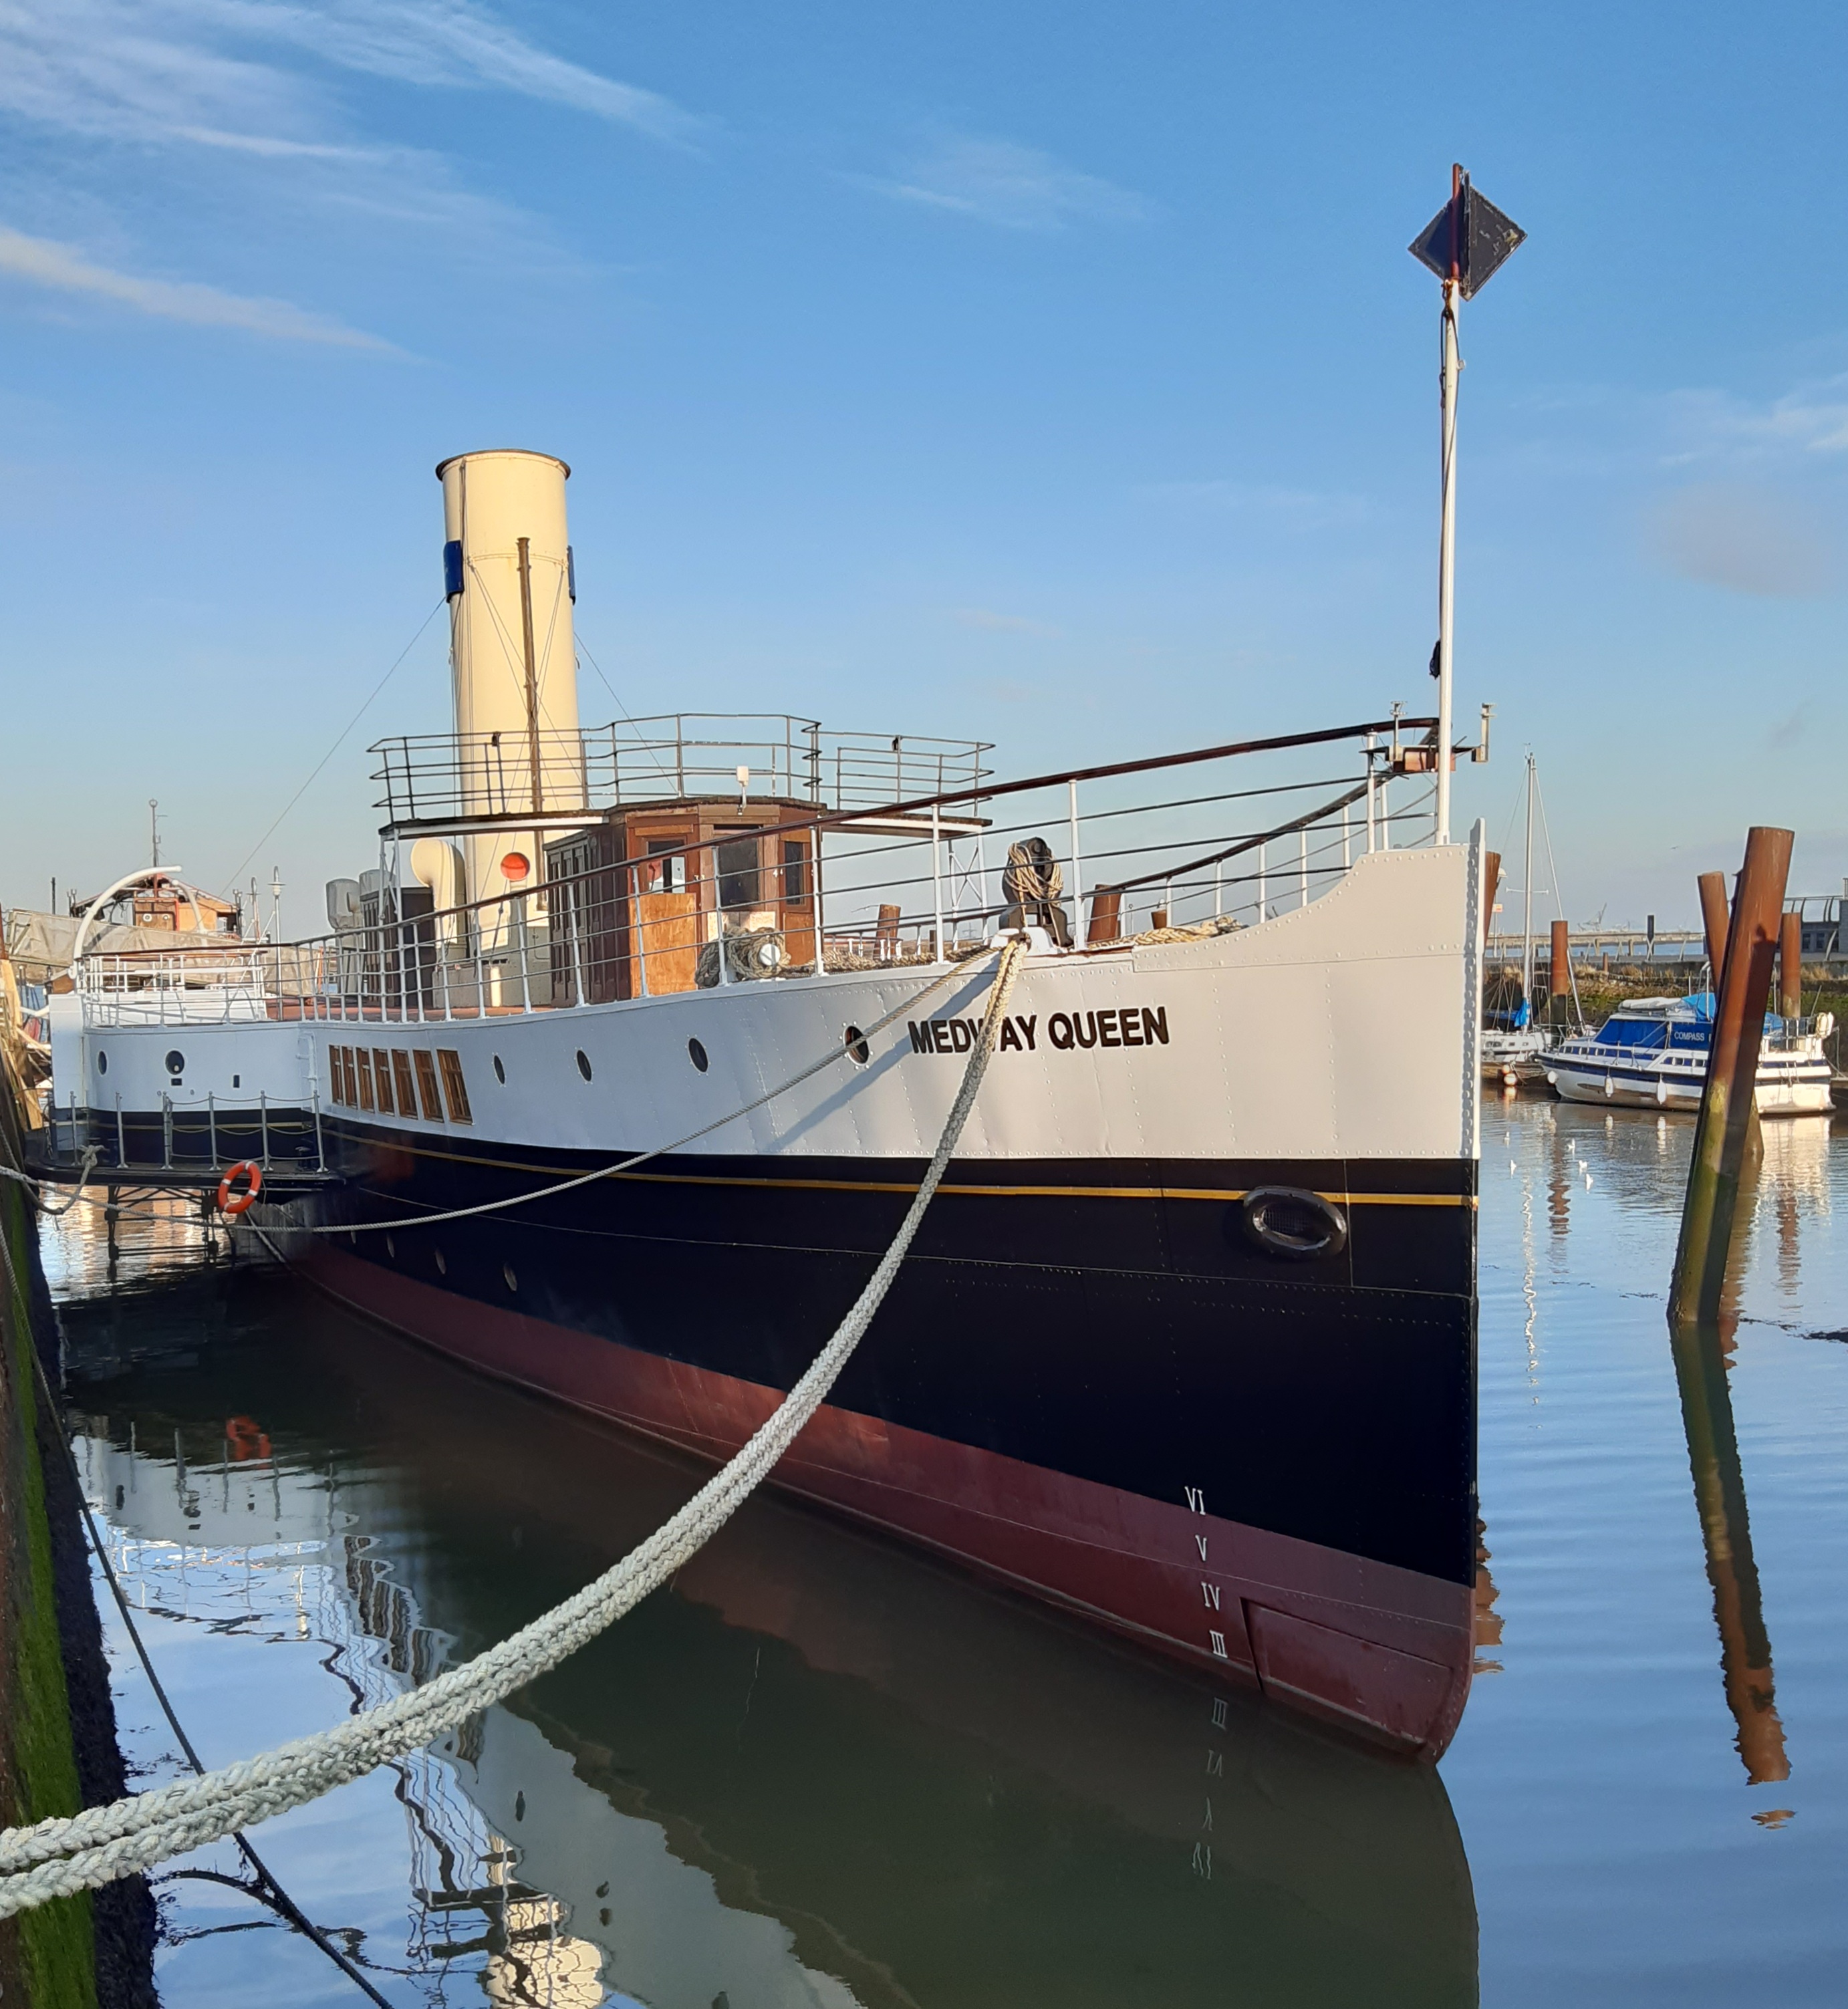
[821, 1771]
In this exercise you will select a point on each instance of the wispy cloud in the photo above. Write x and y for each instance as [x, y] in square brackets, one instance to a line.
[1746, 539]
[1013, 187]
[1001, 624]
[1811, 419]
[199, 71]
[254, 103]
[62, 268]
[453, 43]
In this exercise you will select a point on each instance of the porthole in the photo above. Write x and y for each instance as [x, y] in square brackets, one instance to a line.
[102, 1063]
[177, 1062]
[442, 1268]
[858, 1048]
[511, 1281]
[697, 1053]
[500, 1073]
[584, 1063]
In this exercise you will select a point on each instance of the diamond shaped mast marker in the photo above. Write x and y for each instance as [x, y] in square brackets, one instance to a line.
[1466, 244]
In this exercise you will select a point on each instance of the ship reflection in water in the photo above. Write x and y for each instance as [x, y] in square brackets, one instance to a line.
[819, 1770]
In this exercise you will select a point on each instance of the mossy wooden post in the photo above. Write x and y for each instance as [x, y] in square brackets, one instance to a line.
[1727, 1106]
[47, 1956]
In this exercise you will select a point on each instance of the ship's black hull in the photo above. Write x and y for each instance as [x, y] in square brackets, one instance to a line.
[1088, 1378]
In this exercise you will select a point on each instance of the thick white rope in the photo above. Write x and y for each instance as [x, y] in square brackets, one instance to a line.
[33, 1186]
[79, 1852]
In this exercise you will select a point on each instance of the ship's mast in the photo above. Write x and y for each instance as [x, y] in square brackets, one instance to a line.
[1452, 368]
[1464, 244]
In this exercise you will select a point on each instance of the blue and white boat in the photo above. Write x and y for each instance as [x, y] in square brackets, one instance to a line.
[1653, 1050]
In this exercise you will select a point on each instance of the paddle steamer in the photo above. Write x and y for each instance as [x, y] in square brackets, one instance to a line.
[1187, 1341]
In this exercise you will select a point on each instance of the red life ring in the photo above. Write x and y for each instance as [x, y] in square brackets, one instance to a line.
[232, 1203]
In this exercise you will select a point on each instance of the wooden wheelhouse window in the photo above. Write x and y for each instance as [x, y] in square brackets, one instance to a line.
[738, 873]
[795, 869]
[666, 874]
[344, 1091]
[381, 1078]
[336, 1083]
[407, 1087]
[365, 1078]
[455, 1088]
[427, 1092]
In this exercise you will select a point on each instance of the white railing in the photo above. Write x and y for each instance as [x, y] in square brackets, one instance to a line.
[436, 777]
[1199, 840]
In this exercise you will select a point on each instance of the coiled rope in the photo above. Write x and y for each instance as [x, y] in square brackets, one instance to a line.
[57, 1857]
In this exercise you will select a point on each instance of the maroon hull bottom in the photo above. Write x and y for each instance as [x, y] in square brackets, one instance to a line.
[1379, 1649]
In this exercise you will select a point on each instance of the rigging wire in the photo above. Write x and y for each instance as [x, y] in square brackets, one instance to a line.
[339, 741]
[1546, 831]
[584, 650]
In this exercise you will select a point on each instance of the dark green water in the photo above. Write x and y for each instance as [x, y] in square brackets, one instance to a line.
[821, 1771]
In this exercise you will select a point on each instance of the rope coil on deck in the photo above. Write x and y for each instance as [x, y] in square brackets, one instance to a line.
[62, 1855]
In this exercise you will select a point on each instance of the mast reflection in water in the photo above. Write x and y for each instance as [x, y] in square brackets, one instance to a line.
[816, 1770]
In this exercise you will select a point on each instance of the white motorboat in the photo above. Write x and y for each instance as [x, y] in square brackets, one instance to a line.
[1653, 1051]
[1506, 1050]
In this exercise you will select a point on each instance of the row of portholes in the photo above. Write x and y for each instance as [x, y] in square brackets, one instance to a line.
[854, 1040]
[696, 1052]
[508, 1275]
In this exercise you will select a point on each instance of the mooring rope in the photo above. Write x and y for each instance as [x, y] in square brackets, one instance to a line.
[396, 1223]
[267, 1887]
[79, 1852]
[32, 1186]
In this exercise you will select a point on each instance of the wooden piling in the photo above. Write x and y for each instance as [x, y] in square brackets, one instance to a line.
[1558, 969]
[1492, 860]
[1715, 918]
[1791, 967]
[1728, 1103]
[1726, 1534]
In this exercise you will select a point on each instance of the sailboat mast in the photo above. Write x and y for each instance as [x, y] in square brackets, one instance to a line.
[1527, 918]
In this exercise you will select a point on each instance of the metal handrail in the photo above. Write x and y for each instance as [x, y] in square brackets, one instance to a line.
[434, 777]
[535, 949]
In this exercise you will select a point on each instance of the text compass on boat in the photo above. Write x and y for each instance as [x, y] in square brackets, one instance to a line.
[1466, 244]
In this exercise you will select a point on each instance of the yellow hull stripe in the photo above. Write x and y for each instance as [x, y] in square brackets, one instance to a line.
[946, 1190]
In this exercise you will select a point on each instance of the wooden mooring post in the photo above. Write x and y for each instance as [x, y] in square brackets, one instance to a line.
[1714, 920]
[1700, 1352]
[1790, 968]
[1743, 969]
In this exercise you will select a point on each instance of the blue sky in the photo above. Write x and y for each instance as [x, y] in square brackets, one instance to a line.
[1055, 374]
